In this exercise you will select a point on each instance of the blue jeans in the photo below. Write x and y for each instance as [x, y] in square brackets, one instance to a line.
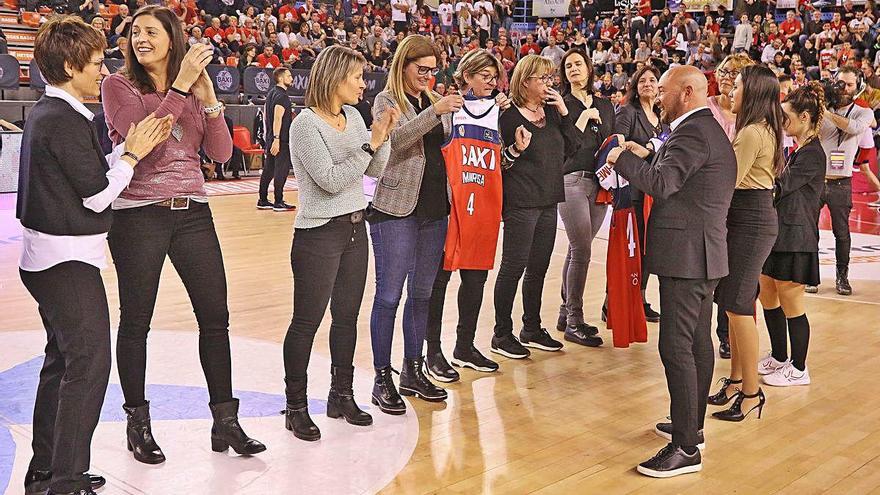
[406, 250]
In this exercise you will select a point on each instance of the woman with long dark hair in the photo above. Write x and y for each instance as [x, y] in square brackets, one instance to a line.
[594, 121]
[794, 259]
[163, 213]
[638, 120]
[751, 231]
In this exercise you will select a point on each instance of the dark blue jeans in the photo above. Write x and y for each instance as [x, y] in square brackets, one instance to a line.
[406, 250]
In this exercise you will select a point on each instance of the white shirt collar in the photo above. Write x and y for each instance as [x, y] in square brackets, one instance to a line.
[676, 122]
[55, 92]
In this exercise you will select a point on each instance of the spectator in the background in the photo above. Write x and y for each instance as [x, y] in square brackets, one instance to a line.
[120, 24]
[553, 52]
[529, 47]
[268, 59]
[278, 113]
[248, 58]
[743, 35]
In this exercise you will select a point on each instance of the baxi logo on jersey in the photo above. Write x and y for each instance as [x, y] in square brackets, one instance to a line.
[477, 157]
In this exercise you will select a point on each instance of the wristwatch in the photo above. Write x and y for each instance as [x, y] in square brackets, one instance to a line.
[369, 149]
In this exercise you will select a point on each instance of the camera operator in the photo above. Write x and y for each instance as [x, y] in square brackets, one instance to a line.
[842, 129]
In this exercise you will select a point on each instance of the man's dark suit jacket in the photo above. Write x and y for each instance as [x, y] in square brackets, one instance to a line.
[691, 178]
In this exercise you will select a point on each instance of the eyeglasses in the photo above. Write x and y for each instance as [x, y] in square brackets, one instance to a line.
[548, 79]
[488, 77]
[728, 73]
[424, 71]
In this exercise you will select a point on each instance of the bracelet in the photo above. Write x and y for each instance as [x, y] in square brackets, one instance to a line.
[132, 156]
[214, 108]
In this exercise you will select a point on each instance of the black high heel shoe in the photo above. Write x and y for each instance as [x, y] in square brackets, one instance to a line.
[721, 398]
[734, 413]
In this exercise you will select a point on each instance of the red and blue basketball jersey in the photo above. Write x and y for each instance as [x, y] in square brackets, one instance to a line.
[623, 269]
[473, 168]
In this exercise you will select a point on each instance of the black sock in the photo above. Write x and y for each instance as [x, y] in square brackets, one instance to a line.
[799, 333]
[775, 319]
[691, 450]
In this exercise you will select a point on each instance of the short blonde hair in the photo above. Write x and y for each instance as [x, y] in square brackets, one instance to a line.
[332, 66]
[528, 66]
[736, 61]
[474, 61]
[413, 47]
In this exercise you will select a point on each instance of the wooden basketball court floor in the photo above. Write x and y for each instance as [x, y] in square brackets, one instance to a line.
[576, 421]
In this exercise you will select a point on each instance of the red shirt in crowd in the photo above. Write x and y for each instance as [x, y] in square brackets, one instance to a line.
[789, 27]
[210, 33]
[529, 48]
[270, 62]
[609, 33]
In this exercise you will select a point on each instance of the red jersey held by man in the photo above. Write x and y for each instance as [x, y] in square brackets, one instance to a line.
[623, 269]
[473, 168]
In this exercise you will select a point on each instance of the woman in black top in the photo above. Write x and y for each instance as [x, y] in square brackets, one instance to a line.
[537, 130]
[639, 121]
[794, 259]
[580, 213]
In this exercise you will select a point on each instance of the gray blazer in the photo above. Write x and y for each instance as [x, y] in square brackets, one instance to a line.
[691, 178]
[397, 191]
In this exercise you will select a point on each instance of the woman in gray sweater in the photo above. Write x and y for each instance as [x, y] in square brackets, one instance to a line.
[330, 150]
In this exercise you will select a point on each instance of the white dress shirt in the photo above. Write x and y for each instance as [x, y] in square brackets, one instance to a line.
[41, 251]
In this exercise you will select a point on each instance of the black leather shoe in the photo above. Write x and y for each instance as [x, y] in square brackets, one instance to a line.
[413, 382]
[439, 368]
[604, 314]
[724, 349]
[340, 402]
[735, 413]
[721, 398]
[36, 481]
[671, 461]
[664, 430]
[385, 395]
[472, 358]
[583, 334]
[651, 315]
[139, 435]
[227, 432]
[842, 282]
[87, 491]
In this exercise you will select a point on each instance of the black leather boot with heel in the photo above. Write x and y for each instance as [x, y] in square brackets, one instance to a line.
[413, 382]
[227, 432]
[385, 395]
[340, 402]
[139, 435]
[296, 415]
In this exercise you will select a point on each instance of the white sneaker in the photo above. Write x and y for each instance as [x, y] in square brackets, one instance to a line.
[788, 376]
[769, 365]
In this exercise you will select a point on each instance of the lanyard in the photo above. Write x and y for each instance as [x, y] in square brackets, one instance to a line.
[840, 131]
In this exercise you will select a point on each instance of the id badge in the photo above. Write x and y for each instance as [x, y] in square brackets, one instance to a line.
[837, 163]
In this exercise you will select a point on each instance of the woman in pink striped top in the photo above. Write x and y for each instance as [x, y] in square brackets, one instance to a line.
[165, 212]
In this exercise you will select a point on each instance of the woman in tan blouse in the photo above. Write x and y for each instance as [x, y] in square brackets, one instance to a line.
[751, 232]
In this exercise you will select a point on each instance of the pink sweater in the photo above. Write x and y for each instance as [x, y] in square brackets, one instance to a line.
[172, 169]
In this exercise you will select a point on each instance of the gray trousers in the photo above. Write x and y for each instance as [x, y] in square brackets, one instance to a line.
[582, 218]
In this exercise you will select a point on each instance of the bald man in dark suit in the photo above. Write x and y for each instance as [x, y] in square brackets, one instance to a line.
[691, 178]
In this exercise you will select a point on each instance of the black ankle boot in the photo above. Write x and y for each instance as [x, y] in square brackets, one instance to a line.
[296, 415]
[385, 394]
[414, 382]
[842, 282]
[140, 435]
[36, 481]
[340, 402]
[226, 431]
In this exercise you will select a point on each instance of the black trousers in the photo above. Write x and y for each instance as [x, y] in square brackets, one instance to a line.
[529, 236]
[140, 239]
[275, 167]
[639, 209]
[329, 267]
[76, 369]
[687, 352]
[470, 299]
[837, 196]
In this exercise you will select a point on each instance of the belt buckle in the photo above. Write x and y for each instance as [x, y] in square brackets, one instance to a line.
[356, 217]
[179, 203]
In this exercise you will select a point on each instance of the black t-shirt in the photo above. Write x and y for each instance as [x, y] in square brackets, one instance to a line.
[277, 96]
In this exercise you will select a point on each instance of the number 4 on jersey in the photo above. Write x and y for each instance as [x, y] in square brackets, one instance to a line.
[470, 204]
[631, 243]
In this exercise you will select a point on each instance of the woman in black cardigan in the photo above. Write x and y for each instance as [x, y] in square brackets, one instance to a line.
[594, 121]
[639, 121]
[65, 188]
[794, 260]
[536, 131]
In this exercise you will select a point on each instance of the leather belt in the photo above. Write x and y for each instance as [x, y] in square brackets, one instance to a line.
[837, 181]
[582, 173]
[354, 217]
[174, 203]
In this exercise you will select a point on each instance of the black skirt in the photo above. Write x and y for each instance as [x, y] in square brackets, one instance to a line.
[751, 232]
[800, 268]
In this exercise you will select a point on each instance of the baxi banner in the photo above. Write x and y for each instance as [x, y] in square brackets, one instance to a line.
[697, 5]
[550, 8]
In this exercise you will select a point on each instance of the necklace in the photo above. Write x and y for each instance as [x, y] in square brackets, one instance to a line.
[535, 111]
